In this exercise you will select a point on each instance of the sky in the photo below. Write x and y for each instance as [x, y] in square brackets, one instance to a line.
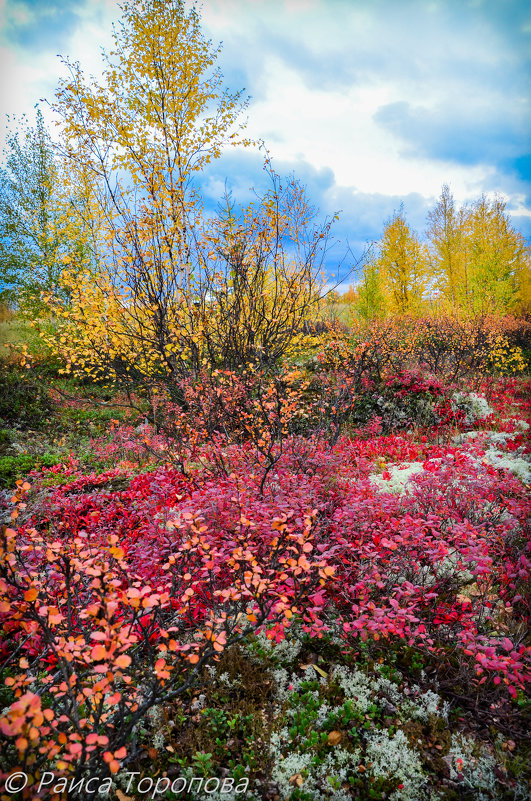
[370, 103]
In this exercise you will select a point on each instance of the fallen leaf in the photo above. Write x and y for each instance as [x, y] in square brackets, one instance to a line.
[335, 737]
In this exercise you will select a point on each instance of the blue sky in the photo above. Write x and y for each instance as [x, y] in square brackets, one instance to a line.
[369, 102]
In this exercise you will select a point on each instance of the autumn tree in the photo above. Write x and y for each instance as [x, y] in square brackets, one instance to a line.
[176, 288]
[480, 262]
[137, 139]
[497, 255]
[36, 203]
[371, 301]
[262, 276]
[402, 266]
[447, 249]
[396, 274]
[350, 296]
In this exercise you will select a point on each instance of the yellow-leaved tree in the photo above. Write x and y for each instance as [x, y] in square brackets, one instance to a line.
[402, 266]
[498, 257]
[479, 261]
[447, 249]
[136, 139]
[171, 290]
[371, 301]
[396, 274]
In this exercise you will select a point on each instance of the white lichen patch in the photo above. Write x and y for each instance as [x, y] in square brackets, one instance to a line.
[425, 704]
[363, 690]
[474, 406]
[393, 758]
[400, 476]
[322, 780]
[473, 766]
[517, 465]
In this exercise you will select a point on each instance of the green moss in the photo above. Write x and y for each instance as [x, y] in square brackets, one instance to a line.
[13, 468]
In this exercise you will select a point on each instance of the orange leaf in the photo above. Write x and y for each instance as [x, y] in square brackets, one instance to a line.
[98, 652]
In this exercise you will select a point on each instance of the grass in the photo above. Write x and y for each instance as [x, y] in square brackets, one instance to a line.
[16, 332]
[337, 312]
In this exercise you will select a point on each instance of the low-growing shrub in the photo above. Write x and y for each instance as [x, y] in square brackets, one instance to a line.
[23, 400]
[121, 587]
[16, 467]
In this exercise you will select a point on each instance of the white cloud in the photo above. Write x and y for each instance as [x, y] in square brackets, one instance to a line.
[32, 76]
[320, 70]
[336, 129]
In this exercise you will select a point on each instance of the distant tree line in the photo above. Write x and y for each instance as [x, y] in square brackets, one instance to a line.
[472, 260]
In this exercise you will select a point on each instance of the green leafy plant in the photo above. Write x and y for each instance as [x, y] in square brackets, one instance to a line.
[23, 400]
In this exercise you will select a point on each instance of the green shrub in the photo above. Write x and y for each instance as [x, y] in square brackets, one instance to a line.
[23, 401]
[15, 467]
[5, 440]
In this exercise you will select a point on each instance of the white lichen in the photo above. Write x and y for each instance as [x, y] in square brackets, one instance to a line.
[424, 705]
[519, 466]
[393, 758]
[473, 766]
[399, 477]
[156, 718]
[474, 406]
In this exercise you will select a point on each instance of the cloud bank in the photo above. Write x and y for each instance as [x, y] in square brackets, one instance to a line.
[369, 102]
